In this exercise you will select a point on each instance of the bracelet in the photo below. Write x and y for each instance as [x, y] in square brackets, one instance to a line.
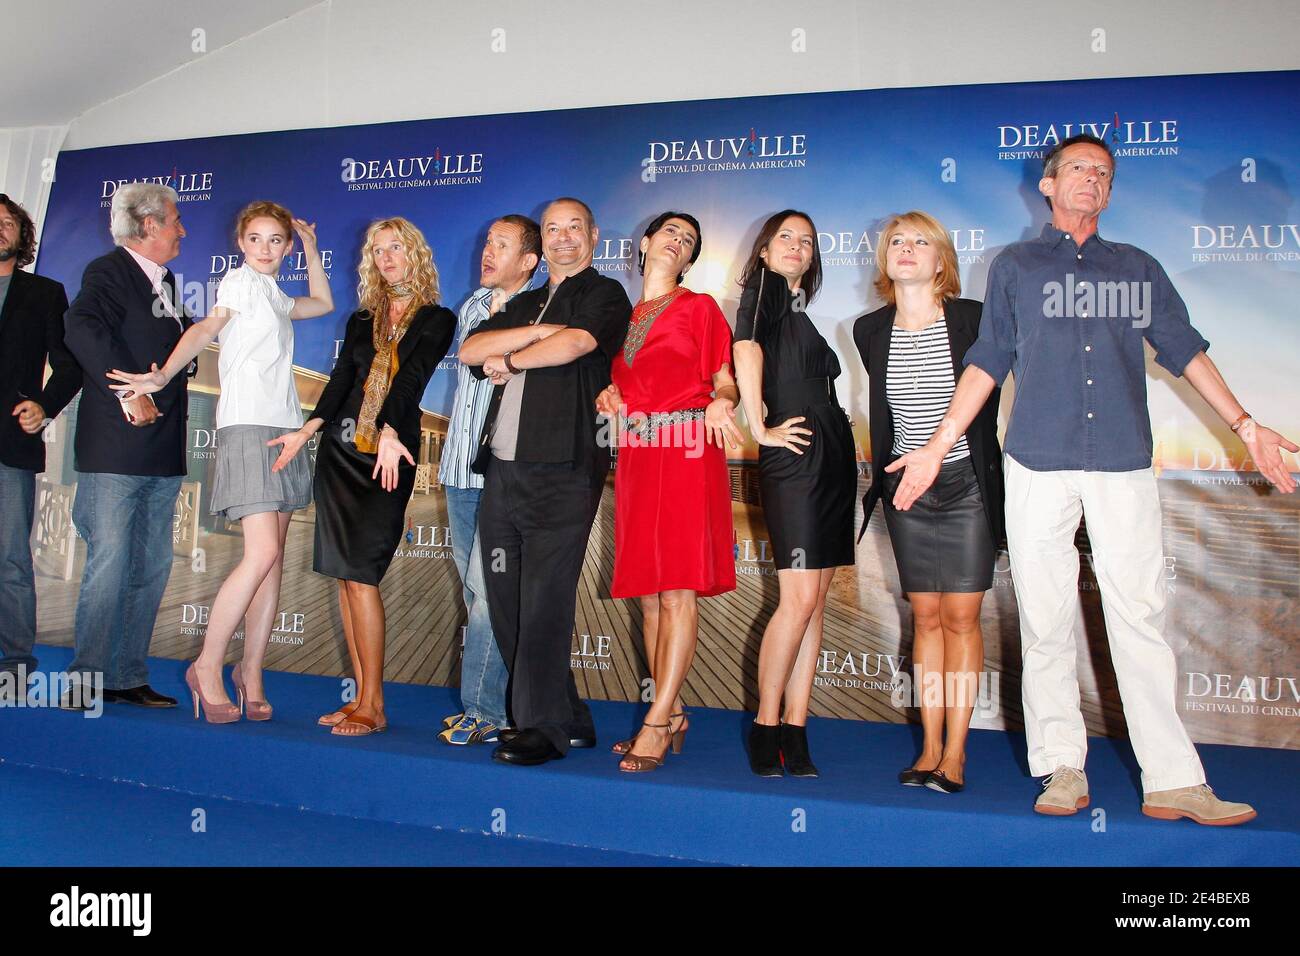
[1236, 426]
[510, 365]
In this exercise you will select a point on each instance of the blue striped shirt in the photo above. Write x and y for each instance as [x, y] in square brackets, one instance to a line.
[469, 407]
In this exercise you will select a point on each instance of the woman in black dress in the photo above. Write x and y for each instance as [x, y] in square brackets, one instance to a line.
[365, 472]
[944, 545]
[807, 475]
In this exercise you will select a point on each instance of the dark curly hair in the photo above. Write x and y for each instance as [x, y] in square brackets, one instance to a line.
[26, 231]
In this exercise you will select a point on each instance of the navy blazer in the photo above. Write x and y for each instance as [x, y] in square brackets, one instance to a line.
[871, 334]
[117, 321]
[31, 329]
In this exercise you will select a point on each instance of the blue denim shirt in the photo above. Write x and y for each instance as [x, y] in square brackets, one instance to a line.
[1070, 322]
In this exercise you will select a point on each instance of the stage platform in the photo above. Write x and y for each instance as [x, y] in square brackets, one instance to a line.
[123, 789]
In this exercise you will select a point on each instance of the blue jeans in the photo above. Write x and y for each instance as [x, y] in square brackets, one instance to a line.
[483, 675]
[17, 582]
[126, 521]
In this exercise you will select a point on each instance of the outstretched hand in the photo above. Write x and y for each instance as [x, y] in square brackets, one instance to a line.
[920, 468]
[137, 383]
[290, 444]
[1265, 447]
[389, 459]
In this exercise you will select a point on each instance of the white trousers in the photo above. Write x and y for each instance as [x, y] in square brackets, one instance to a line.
[1123, 515]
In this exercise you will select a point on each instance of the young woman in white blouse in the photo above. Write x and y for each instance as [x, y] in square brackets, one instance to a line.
[258, 404]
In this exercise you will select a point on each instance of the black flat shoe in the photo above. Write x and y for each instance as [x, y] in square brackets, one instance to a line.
[910, 777]
[938, 781]
[507, 734]
[142, 696]
[527, 748]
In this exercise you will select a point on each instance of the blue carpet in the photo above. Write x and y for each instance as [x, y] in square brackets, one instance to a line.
[703, 805]
[69, 820]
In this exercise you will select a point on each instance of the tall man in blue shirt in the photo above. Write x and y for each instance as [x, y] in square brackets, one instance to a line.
[510, 257]
[1068, 313]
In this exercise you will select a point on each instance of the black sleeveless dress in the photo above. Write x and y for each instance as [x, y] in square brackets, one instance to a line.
[808, 499]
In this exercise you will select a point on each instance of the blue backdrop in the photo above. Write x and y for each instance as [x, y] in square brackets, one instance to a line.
[1204, 182]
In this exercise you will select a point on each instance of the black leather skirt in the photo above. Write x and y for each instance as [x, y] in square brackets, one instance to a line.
[942, 543]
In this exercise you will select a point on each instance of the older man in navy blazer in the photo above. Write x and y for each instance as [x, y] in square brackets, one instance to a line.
[31, 330]
[130, 455]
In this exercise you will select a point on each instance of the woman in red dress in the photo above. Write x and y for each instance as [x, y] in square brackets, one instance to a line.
[673, 388]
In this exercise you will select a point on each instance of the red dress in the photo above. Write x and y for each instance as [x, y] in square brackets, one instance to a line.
[672, 497]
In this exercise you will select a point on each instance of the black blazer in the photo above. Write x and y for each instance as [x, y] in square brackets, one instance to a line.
[871, 335]
[422, 347]
[116, 321]
[557, 416]
[31, 329]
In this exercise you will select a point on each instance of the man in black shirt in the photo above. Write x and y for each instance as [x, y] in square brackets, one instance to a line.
[549, 353]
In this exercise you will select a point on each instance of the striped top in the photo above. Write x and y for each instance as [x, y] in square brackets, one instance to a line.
[470, 405]
[919, 385]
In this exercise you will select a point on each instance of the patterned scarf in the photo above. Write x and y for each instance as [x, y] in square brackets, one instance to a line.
[383, 368]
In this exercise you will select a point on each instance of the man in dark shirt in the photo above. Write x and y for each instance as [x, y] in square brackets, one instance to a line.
[31, 329]
[1069, 313]
[549, 352]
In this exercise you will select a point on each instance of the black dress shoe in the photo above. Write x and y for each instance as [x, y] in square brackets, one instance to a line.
[909, 777]
[794, 751]
[938, 781]
[75, 700]
[527, 748]
[142, 696]
[576, 743]
[765, 750]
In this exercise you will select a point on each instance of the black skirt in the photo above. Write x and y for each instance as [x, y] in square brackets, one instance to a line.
[808, 499]
[358, 523]
[942, 543]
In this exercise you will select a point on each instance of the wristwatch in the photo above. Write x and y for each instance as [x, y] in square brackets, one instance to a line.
[510, 366]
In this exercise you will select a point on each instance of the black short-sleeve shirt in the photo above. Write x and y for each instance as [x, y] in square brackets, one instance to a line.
[557, 417]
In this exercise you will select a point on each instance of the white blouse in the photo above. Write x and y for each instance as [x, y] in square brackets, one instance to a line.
[256, 359]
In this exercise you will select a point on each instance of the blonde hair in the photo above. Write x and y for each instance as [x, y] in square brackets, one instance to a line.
[947, 283]
[373, 290]
[263, 209]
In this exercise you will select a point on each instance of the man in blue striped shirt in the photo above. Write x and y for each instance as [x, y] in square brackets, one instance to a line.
[511, 255]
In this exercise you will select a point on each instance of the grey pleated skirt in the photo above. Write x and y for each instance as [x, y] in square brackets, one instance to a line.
[244, 484]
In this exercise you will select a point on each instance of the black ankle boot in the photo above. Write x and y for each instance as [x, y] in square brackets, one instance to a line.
[794, 751]
[765, 750]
